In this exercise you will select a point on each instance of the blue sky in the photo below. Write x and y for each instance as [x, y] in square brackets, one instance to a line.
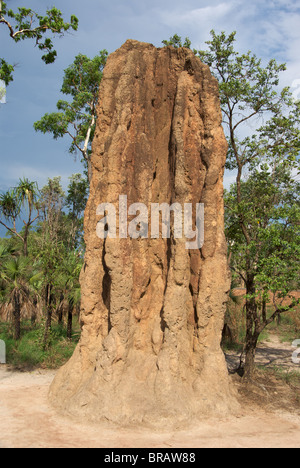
[271, 29]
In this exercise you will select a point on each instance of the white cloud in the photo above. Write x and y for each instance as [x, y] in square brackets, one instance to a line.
[195, 16]
[268, 29]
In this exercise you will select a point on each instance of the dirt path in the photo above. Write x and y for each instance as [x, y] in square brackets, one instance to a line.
[28, 421]
[269, 354]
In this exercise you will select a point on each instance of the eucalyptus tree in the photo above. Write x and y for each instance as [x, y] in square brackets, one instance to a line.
[76, 200]
[26, 24]
[263, 204]
[261, 122]
[268, 261]
[76, 117]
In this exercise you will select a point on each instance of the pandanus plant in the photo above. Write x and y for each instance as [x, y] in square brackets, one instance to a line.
[17, 274]
[11, 202]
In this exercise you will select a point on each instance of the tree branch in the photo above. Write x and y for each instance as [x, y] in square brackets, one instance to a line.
[11, 30]
[13, 231]
[87, 139]
[238, 273]
[245, 119]
[282, 310]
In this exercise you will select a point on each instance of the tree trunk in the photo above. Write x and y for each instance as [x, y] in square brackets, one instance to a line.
[252, 329]
[17, 315]
[34, 312]
[90, 169]
[279, 318]
[264, 311]
[48, 300]
[60, 310]
[25, 246]
[250, 350]
[70, 319]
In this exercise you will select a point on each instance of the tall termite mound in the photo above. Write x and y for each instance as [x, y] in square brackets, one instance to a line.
[152, 310]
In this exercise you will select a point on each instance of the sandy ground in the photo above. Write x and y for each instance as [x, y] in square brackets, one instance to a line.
[27, 420]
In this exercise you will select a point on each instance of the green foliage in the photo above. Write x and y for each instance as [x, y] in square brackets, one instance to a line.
[26, 194]
[262, 207]
[270, 210]
[77, 116]
[52, 198]
[49, 272]
[29, 351]
[6, 72]
[9, 206]
[11, 203]
[77, 195]
[247, 89]
[27, 24]
[176, 42]
[67, 279]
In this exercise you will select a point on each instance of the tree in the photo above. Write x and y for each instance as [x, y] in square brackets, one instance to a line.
[263, 203]
[27, 196]
[76, 202]
[48, 248]
[24, 195]
[6, 72]
[17, 275]
[176, 42]
[27, 24]
[77, 117]
[9, 210]
[269, 264]
[77, 195]
[68, 283]
[51, 203]
[55, 246]
[4, 256]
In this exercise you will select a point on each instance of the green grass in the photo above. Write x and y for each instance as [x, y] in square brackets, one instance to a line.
[286, 376]
[288, 330]
[30, 352]
[290, 377]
